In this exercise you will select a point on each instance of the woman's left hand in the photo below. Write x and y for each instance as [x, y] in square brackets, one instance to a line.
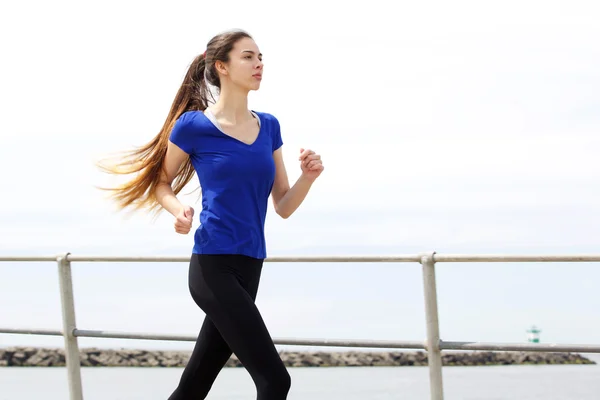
[311, 164]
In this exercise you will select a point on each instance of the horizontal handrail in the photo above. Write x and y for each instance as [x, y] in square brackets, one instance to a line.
[329, 259]
[27, 258]
[542, 347]
[386, 344]
[291, 259]
[192, 338]
[516, 258]
[25, 331]
[279, 341]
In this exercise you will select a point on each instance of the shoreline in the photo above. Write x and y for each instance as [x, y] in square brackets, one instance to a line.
[97, 357]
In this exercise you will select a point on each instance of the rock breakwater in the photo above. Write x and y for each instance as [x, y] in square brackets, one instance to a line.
[94, 357]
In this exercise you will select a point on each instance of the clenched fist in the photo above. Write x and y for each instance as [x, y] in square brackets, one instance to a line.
[310, 164]
[183, 221]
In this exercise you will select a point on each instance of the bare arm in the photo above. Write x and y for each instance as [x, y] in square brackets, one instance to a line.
[286, 199]
[164, 191]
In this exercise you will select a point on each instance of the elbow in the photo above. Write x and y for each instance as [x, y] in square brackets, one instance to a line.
[282, 213]
[160, 186]
[285, 216]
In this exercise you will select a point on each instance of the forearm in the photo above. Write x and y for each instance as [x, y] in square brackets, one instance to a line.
[292, 199]
[167, 199]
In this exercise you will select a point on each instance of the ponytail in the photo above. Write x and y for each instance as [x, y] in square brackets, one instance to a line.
[147, 160]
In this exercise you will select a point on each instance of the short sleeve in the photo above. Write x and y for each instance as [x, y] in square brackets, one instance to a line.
[276, 139]
[182, 134]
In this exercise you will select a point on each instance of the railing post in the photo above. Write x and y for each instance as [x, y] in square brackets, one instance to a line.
[68, 318]
[434, 354]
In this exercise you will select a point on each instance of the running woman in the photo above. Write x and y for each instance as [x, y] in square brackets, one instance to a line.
[237, 155]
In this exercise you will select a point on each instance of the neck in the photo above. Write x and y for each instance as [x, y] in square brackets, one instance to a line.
[232, 104]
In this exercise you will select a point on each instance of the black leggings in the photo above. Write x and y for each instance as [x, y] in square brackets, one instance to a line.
[225, 287]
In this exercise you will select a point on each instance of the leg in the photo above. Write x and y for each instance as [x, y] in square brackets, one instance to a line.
[221, 289]
[211, 352]
[208, 357]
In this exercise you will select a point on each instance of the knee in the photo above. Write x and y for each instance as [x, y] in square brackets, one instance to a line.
[276, 386]
[285, 381]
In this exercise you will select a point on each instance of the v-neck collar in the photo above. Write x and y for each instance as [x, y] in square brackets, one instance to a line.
[211, 117]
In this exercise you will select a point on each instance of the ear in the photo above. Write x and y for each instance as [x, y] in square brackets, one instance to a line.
[221, 68]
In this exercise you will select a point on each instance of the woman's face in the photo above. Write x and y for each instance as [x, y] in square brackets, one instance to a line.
[245, 66]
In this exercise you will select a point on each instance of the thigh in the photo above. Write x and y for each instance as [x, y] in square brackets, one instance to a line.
[227, 294]
[211, 277]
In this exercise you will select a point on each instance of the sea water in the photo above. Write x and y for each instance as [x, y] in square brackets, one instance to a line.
[523, 382]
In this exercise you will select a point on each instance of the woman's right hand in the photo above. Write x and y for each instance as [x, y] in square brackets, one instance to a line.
[183, 221]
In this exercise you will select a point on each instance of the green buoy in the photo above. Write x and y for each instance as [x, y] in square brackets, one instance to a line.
[534, 334]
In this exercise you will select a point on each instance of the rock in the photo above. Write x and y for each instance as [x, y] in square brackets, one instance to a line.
[41, 357]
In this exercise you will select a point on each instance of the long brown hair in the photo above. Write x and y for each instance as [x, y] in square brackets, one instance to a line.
[147, 161]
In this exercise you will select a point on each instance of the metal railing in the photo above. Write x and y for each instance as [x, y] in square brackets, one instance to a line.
[433, 345]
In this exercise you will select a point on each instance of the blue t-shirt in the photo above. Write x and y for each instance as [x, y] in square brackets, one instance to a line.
[236, 181]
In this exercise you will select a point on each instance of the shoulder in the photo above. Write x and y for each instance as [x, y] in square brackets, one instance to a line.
[187, 130]
[273, 128]
[194, 117]
[267, 117]
[191, 122]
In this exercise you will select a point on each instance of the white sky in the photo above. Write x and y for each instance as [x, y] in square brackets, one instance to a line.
[458, 126]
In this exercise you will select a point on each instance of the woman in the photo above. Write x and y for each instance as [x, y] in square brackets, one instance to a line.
[237, 156]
